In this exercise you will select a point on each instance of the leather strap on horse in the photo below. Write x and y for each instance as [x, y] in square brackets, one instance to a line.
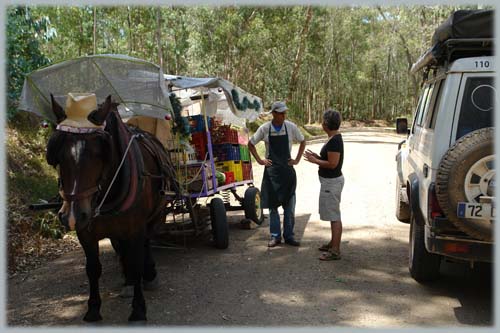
[129, 171]
[78, 196]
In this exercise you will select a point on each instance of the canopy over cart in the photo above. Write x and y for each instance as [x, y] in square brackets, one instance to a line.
[134, 83]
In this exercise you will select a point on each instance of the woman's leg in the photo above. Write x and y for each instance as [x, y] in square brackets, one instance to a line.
[336, 227]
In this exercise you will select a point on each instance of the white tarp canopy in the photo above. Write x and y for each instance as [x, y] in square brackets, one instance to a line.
[136, 84]
[221, 98]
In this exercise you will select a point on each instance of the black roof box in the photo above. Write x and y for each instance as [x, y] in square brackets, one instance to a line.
[465, 24]
[466, 33]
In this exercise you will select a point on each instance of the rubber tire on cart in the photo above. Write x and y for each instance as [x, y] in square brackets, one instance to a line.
[456, 166]
[402, 206]
[423, 265]
[220, 228]
[251, 205]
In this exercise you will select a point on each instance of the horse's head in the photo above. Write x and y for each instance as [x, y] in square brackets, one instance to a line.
[82, 154]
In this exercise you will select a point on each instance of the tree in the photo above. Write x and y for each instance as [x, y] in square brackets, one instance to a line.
[25, 34]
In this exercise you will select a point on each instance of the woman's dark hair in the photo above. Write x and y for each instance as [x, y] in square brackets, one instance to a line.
[332, 119]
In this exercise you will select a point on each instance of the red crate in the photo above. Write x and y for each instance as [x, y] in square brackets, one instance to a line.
[229, 177]
[199, 138]
[247, 170]
[224, 134]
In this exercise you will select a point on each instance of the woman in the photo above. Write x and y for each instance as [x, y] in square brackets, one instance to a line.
[330, 162]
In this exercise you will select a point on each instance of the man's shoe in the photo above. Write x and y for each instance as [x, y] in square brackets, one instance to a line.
[292, 242]
[273, 242]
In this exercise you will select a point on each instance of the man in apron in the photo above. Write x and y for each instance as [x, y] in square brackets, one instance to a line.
[279, 180]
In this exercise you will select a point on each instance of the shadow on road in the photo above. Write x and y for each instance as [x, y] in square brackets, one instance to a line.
[251, 285]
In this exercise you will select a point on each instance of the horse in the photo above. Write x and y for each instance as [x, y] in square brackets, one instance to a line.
[111, 180]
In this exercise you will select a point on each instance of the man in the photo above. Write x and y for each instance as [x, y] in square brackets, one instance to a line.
[279, 180]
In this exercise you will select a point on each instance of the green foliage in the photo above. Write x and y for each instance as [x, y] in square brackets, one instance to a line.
[48, 225]
[25, 34]
[355, 59]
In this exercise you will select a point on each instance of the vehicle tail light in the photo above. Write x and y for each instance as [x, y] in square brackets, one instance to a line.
[456, 248]
[434, 208]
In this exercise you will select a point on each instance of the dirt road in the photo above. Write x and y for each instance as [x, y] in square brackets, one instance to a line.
[251, 285]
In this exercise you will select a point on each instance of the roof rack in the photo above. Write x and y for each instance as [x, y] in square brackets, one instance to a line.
[466, 33]
[453, 49]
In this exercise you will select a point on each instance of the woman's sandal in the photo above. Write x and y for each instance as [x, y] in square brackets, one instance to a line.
[325, 247]
[329, 255]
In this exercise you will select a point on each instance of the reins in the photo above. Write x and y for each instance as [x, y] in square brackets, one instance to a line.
[98, 209]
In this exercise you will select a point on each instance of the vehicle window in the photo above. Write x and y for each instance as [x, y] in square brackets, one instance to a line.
[417, 113]
[420, 107]
[425, 106]
[435, 104]
[477, 105]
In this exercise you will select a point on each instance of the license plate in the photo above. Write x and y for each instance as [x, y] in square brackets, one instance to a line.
[483, 211]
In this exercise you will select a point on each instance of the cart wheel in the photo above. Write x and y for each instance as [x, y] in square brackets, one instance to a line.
[220, 228]
[251, 205]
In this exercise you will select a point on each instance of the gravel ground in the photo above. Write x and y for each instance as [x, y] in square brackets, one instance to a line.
[251, 285]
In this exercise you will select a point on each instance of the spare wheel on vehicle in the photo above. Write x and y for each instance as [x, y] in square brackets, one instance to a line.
[465, 174]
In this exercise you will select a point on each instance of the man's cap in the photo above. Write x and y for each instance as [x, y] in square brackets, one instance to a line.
[279, 107]
[78, 108]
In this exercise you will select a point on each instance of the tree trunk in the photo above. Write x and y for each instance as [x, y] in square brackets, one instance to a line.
[300, 49]
[409, 57]
[95, 31]
[158, 37]
[130, 34]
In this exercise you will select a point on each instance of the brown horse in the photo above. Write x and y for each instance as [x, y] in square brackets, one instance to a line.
[110, 179]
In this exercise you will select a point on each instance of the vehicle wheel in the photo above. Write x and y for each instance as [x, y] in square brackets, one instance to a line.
[424, 266]
[466, 172]
[251, 205]
[218, 219]
[402, 207]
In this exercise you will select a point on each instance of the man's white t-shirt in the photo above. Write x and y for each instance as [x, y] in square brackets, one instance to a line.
[262, 133]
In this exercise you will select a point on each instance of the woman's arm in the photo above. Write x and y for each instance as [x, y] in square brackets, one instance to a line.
[331, 163]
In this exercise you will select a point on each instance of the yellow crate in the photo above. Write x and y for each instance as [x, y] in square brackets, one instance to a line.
[234, 166]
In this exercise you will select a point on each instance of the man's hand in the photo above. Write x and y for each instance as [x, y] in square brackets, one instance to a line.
[292, 162]
[266, 162]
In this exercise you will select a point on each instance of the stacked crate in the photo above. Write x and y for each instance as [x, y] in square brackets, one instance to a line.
[198, 135]
[193, 178]
[230, 149]
[234, 167]
[199, 143]
[246, 168]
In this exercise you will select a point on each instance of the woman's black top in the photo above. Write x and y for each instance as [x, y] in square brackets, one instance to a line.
[335, 144]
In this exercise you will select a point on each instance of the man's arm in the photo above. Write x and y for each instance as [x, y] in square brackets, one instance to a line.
[302, 147]
[259, 160]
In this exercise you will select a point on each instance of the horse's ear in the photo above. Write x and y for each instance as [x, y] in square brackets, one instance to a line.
[98, 116]
[57, 109]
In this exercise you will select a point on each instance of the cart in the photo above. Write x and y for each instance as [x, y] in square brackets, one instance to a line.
[212, 107]
[145, 96]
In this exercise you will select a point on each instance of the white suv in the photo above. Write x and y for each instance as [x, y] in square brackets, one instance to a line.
[446, 176]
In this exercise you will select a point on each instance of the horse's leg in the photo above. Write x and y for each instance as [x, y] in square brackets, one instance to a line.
[94, 269]
[135, 265]
[150, 274]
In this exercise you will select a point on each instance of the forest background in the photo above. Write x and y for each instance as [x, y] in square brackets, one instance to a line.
[355, 59]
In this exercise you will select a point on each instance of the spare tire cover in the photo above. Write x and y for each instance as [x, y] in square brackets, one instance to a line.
[466, 172]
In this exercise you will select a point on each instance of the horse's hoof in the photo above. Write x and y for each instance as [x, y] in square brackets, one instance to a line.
[151, 285]
[92, 317]
[127, 292]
